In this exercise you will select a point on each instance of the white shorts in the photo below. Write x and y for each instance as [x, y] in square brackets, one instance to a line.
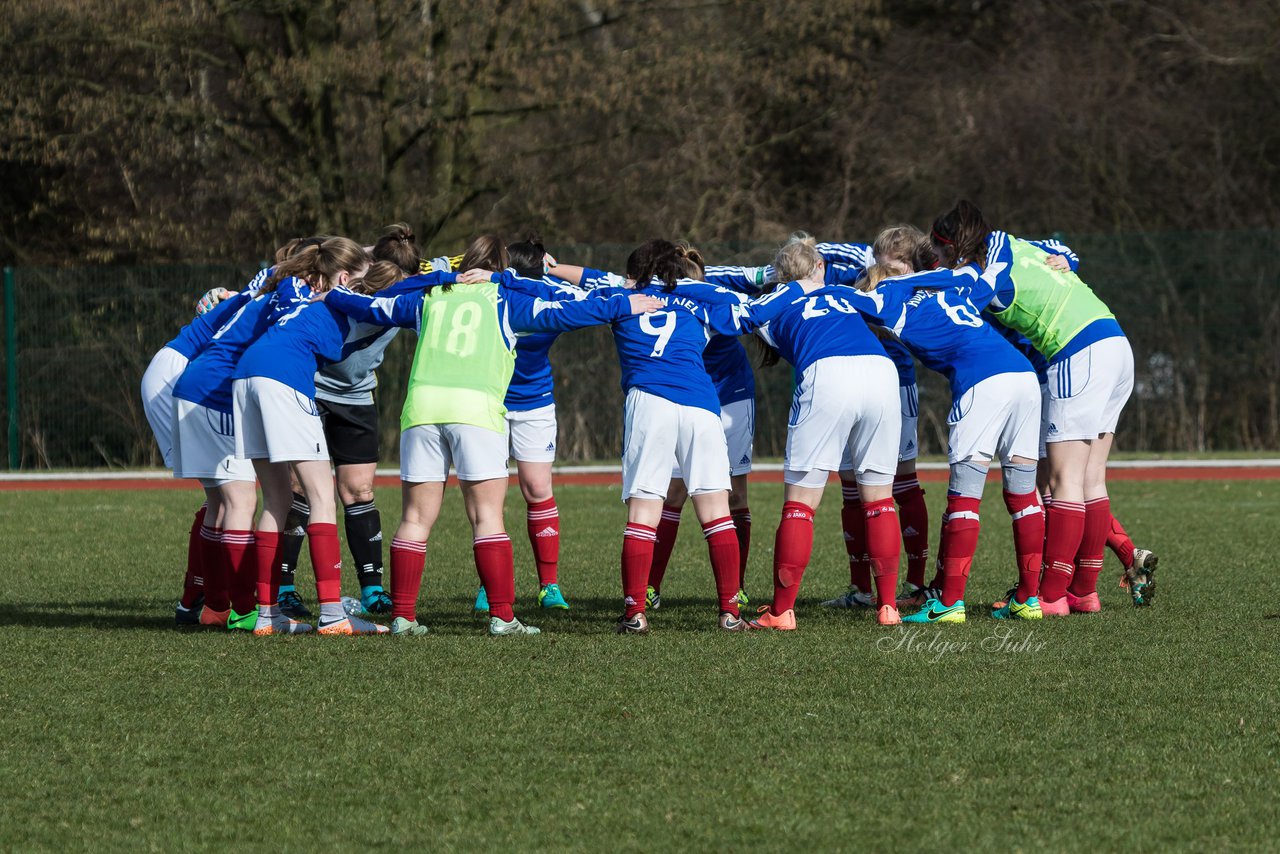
[533, 434]
[999, 416]
[427, 451]
[1044, 420]
[909, 398]
[1088, 390]
[739, 422]
[204, 446]
[157, 397]
[657, 433]
[276, 423]
[845, 416]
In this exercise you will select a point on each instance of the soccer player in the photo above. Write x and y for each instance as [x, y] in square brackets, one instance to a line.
[1090, 378]
[454, 414]
[278, 427]
[835, 424]
[995, 409]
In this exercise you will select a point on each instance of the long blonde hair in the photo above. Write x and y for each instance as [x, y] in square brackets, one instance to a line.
[319, 266]
[797, 259]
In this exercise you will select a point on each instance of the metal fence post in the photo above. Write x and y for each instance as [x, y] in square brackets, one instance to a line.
[11, 364]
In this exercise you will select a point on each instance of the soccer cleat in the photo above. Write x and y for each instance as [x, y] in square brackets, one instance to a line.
[1015, 610]
[499, 627]
[375, 600]
[851, 598]
[187, 617]
[210, 617]
[1056, 608]
[733, 623]
[551, 597]
[350, 625]
[1083, 604]
[915, 596]
[482, 600]
[637, 625]
[652, 598]
[935, 612]
[888, 616]
[242, 622]
[402, 628]
[742, 599]
[784, 622]
[1140, 579]
[291, 605]
[1008, 597]
[281, 625]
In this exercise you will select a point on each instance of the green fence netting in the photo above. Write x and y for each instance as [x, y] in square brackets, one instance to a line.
[1201, 310]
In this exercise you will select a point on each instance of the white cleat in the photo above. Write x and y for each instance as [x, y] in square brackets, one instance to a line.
[501, 628]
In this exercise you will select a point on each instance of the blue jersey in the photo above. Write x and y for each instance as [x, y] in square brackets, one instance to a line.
[661, 353]
[207, 380]
[941, 327]
[806, 327]
[197, 334]
[298, 344]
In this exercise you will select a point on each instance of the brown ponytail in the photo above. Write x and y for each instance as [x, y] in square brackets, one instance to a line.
[397, 245]
[381, 275]
[657, 259]
[319, 266]
[960, 234]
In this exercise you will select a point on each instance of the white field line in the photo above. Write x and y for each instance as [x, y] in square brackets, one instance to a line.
[152, 474]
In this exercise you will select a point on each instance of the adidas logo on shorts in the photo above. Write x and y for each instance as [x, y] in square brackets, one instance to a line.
[746, 460]
[911, 445]
[1053, 428]
[551, 446]
[548, 532]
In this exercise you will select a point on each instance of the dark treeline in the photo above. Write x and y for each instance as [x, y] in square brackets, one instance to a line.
[142, 131]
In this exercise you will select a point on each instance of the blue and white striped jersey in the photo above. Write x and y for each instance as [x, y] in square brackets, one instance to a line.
[806, 327]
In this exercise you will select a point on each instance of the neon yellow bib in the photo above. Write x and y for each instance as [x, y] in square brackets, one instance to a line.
[1050, 307]
[462, 366]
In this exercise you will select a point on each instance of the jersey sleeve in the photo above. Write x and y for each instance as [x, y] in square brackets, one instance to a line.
[592, 279]
[542, 288]
[523, 313]
[403, 310]
[256, 283]
[747, 280]
[761, 310]
[855, 254]
[1057, 247]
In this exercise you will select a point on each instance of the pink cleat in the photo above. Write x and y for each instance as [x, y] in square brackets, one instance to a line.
[1081, 604]
[888, 616]
[1056, 608]
[784, 622]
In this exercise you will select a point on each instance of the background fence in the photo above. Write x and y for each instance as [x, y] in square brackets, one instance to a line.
[1202, 311]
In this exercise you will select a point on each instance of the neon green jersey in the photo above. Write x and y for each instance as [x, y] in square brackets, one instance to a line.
[462, 366]
[1049, 307]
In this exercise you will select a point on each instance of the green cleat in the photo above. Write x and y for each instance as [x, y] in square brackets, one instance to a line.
[742, 599]
[242, 622]
[652, 598]
[402, 628]
[551, 597]
[1015, 610]
[935, 612]
[501, 628]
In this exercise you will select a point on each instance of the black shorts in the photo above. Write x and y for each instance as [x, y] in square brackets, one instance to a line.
[351, 429]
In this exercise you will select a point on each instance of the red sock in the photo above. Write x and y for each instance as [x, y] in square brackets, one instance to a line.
[1028, 540]
[742, 526]
[1063, 528]
[1118, 541]
[792, 548]
[1093, 542]
[722, 546]
[543, 520]
[266, 559]
[326, 560]
[853, 519]
[217, 586]
[193, 581]
[408, 558]
[914, 517]
[667, 529]
[884, 547]
[959, 542]
[496, 566]
[240, 570]
[638, 546]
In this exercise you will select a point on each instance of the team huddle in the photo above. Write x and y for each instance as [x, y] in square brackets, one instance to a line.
[273, 385]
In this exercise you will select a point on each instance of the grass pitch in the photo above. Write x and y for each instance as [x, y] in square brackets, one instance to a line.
[1143, 729]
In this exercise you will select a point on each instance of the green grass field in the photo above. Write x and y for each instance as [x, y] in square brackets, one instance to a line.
[1147, 729]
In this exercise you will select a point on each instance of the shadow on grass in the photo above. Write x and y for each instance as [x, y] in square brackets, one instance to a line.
[104, 614]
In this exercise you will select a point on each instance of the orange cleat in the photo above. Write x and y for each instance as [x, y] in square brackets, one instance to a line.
[351, 626]
[888, 616]
[210, 617]
[784, 622]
